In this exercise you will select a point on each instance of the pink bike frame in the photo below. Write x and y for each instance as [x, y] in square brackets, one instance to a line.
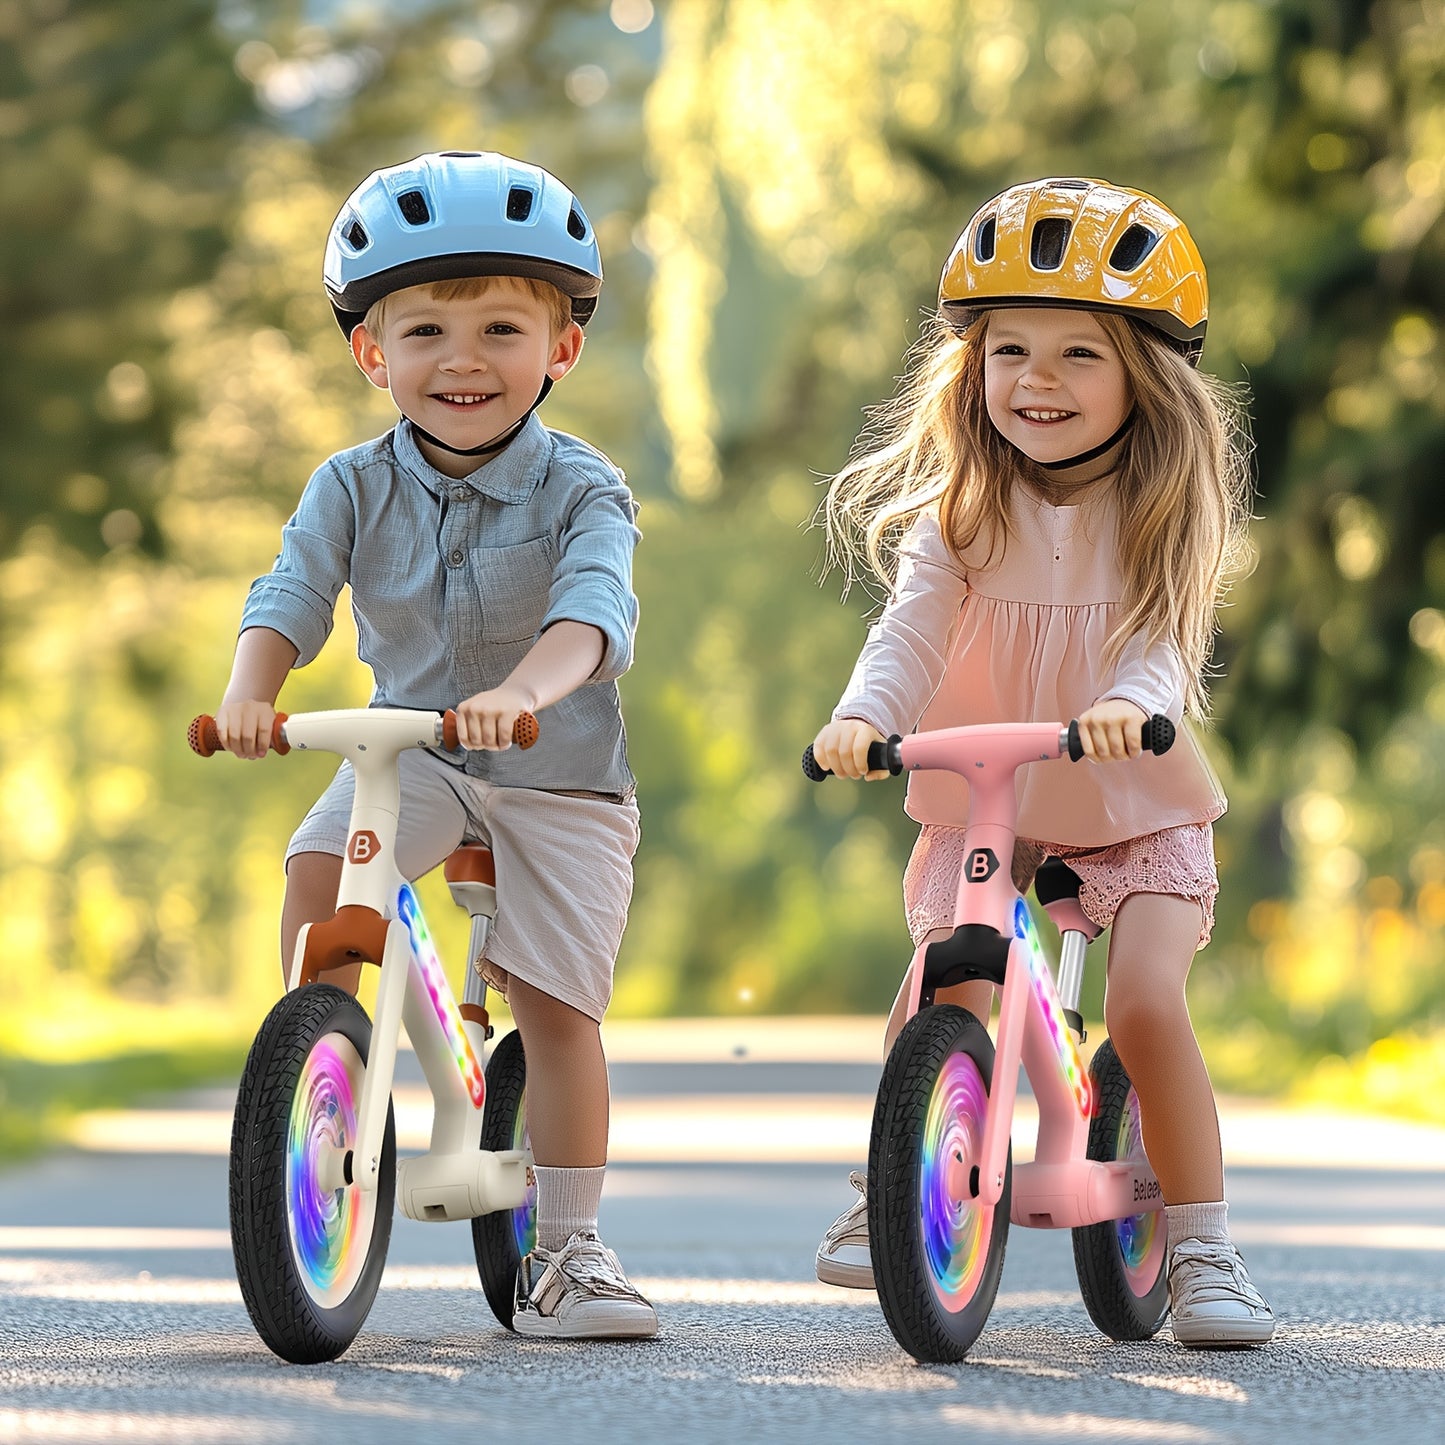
[1061, 1188]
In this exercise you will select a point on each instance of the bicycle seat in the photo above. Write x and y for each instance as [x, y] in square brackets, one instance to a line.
[471, 863]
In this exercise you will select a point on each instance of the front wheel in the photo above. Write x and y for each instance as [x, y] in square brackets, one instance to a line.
[1121, 1262]
[501, 1238]
[937, 1252]
[309, 1254]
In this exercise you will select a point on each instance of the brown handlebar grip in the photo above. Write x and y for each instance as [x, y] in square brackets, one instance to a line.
[205, 740]
[203, 737]
[524, 730]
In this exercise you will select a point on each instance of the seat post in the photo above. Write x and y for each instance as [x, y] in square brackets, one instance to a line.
[471, 876]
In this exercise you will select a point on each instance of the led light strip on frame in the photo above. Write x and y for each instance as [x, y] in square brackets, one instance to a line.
[1072, 1066]
[408, 909]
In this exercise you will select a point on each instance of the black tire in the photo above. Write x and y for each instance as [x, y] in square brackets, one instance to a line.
[501, 1238]
[1121, 1262]
[308, 1293]
[937, 1255]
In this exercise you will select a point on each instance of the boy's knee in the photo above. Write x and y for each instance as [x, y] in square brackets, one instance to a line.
[312, 870]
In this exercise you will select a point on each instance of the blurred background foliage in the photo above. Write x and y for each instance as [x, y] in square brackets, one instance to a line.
[775, 184]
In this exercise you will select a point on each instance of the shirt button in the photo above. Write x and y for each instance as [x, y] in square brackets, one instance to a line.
[460, 494]
[454, 557]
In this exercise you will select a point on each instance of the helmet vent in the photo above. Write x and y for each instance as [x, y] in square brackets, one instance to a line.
[984, 239]
[356, 236]
[413, 207]
[1132, 247]
[577, 225]
[519, 203]
[461, 155]
[1046, 251]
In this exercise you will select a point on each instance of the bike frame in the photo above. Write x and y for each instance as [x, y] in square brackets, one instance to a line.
[379, 920]
[1061, 1188]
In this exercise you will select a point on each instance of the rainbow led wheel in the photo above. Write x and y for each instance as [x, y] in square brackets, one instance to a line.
[1120, 1262]
[499, 1240]
[329, 1228]
[309, 1248]
[955, 1227]
[937, 1251]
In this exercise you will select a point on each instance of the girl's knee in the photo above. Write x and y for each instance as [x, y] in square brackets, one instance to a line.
[1136, 1019]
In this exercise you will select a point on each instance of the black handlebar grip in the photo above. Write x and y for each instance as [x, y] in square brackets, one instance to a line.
[882, 757]
[1158, 734]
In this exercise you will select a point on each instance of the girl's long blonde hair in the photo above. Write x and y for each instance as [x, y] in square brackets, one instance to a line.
[1183, 483]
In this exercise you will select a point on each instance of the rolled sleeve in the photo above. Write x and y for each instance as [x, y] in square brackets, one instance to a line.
[592, 581]
[297, 598]
[1151, 676]
[903, 660]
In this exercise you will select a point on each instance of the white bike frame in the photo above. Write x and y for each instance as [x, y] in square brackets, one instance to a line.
[379, 920]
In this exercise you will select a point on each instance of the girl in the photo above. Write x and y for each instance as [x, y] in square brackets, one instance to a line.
[1056, 498]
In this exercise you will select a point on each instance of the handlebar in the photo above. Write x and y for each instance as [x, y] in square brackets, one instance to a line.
[206, 741]
[1158, 737]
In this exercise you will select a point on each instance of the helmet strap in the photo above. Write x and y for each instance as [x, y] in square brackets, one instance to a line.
[1094, 452]
[498, 443]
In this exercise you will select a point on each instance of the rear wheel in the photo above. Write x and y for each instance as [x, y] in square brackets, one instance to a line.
[309, 1248]
[937, 1252]
[501, 1238]
[1121, 1262]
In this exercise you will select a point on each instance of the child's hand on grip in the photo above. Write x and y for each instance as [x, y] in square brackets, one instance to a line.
[842, 748]
[1112, 730]
[485, 720]
[244, 727]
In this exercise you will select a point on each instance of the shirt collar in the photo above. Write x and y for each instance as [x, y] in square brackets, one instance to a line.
[510, 476]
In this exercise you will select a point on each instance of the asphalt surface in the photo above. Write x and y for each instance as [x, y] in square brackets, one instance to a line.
[120, 1317]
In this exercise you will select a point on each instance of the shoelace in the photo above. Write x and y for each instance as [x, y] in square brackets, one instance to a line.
[584, 1260]
[1227, 1280]
[854, 1220]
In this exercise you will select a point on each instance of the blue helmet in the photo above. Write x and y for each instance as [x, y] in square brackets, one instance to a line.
[455, 214]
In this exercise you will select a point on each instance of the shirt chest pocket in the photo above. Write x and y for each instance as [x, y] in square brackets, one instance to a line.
[512, 585]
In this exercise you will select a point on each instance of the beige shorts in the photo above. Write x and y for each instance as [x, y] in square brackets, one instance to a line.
[1176, 860]
[564, 868]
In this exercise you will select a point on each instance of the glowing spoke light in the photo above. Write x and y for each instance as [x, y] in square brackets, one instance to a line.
[1047, 999]
[327, 1226]
[955, 1228]
[408, 909]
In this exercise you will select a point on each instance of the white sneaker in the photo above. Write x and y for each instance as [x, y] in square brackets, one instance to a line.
[579, 1292]
[1213, 1303]
[844, 1257]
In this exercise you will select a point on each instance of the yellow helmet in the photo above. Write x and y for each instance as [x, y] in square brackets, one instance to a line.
[1074, 242]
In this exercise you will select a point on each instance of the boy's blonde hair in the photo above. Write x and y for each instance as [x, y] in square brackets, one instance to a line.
[1183, 482]
[468, 288]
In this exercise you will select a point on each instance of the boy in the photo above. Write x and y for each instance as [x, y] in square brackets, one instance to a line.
[490, 561]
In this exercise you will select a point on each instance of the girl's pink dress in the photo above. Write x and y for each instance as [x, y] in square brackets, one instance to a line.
[1020, 637]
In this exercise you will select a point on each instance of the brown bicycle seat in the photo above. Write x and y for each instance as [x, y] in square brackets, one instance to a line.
[471, 863]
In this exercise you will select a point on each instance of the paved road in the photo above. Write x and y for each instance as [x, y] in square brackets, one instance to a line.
[120, 1317]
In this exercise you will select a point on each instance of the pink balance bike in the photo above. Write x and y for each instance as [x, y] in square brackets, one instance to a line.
[314, 1174]
[942, 1188]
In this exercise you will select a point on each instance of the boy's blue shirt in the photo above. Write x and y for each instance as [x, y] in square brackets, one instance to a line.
[453, 581]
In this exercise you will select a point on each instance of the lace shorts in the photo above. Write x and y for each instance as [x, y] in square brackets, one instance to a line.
[1175, 860]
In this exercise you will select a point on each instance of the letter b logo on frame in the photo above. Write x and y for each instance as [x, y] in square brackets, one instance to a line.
[980, 865]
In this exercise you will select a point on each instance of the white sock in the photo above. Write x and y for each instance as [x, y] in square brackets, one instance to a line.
[1198, 1221]
[567, 1201]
